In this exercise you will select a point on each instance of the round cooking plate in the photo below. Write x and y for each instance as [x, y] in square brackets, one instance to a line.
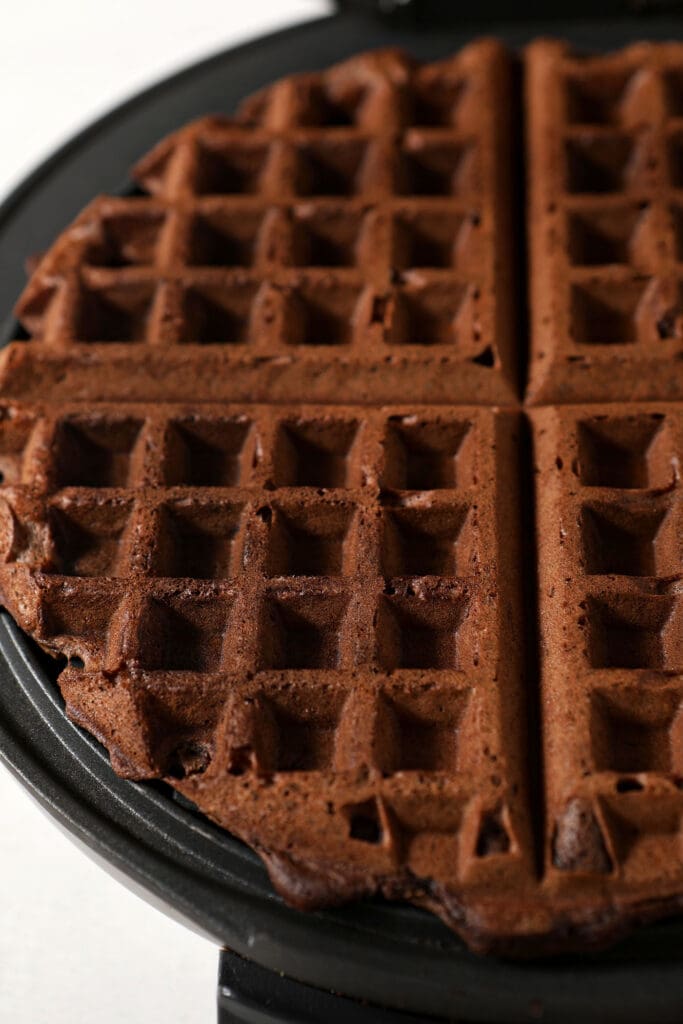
[389, 955]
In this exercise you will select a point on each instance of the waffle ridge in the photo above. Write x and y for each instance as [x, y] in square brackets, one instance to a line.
[270, 491]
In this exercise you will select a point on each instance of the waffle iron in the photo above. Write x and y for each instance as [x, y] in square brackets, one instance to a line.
[374, 963]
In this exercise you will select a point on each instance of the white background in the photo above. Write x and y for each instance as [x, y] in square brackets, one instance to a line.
[76, 946]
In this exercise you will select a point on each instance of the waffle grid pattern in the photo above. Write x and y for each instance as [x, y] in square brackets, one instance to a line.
[326, 230]
[614, 685]
[263, 557]
[605, 144]
[275, 509]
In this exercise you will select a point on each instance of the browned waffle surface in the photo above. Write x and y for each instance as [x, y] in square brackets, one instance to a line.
[346, 238]
[610, 528]
[268, 486]
[605, 176]
[305, 618]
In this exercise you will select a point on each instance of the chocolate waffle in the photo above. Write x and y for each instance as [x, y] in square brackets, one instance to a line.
[610, 518]
[268, 492]
[346, 239]
[605, 172]
[294, 614]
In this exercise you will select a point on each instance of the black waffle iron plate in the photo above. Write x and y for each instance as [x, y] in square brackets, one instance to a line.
[371, 962]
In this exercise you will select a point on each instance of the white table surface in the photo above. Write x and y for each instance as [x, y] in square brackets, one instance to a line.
[76, 946]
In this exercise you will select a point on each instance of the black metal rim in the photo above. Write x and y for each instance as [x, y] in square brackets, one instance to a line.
[388, 955]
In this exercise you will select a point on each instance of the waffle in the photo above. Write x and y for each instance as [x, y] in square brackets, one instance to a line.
[610, 527]
[293, 615]
[270, 494]
[605, 173]
[347, 238]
